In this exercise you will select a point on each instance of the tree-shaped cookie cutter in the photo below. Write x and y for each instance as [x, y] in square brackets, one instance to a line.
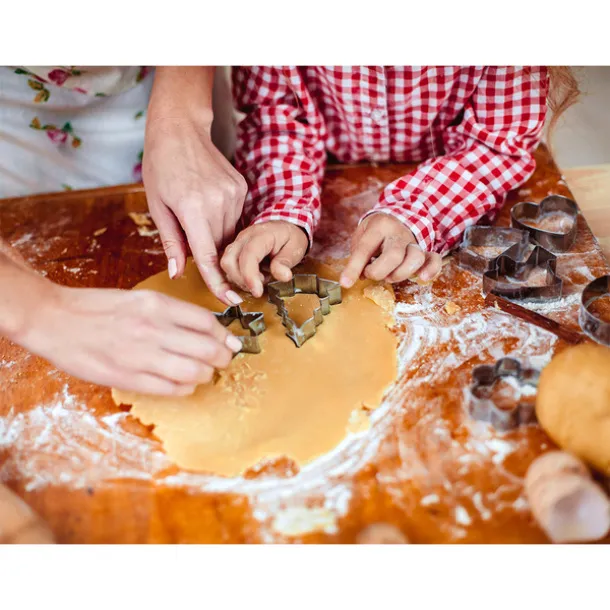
[252, 321]
[591, 324]
[327, 291]
[482, 407]
[554, 241]
[510, 264]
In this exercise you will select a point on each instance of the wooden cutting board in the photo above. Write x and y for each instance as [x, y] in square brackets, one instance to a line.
[98, 475]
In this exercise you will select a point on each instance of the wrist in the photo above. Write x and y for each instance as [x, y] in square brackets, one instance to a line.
[182, 94]
[30, 319]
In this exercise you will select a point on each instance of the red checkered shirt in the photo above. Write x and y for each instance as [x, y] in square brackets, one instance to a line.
[472, 128]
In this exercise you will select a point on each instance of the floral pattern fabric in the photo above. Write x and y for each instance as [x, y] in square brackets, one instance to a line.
[68, 127]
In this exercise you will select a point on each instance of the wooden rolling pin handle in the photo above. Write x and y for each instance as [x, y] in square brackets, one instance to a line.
[527, 315]
[381, 533]
[18, 522]
[565, 501]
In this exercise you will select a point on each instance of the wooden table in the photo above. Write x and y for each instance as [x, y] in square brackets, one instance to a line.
[591, 187]
[98, 475]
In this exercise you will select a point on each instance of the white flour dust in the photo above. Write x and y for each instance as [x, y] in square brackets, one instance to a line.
[85, 450]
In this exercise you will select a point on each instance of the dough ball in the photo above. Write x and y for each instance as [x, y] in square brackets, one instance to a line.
[573, 403]
[381, 533]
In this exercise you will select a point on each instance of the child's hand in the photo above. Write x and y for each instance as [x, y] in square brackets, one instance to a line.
[398, 255]
[284, 242]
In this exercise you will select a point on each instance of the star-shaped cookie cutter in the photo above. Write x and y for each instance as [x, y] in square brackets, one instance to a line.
[482, 407]
[510, 264]
[254, 321]
[593, 326]
[556, 241]
[327, 291]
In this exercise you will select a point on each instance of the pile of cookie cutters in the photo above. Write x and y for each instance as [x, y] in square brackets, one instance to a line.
[327, 291]
[523, 250]
[527, 248]
[516, 252]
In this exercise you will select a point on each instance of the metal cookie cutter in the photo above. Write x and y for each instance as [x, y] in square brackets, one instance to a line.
[591, 324]
[556, 241]
[327, 291]
[483, 408]
[253, 321]
[477, 236]
[510, 264]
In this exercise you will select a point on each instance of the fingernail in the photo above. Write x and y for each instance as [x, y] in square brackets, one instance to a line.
[233, 343]
[172, 268]
[233, 297]
[346, 282]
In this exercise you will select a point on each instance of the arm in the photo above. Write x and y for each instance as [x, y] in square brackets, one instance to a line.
[137, 341]
[194, 193]
[487, 154]
[280, 150]
[281, 154]
[22, 290]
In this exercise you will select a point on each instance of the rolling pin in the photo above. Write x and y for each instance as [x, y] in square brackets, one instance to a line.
[19, 524]
[565, 500]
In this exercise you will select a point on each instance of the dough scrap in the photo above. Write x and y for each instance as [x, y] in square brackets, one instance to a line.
[573, 403]
[285, 401]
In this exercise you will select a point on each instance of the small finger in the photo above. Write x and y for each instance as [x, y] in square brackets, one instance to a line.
[414, 259]
[230, 263]
[364, 250]
[392, 255]
[431, 268]
[253, 252]
[288, 256]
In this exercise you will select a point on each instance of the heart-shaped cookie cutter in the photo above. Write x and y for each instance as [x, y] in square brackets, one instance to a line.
[327, 291]
[511, 264]
[593, 326]
[554, 241]
[483, 408]
[478, 236]
[253, 321]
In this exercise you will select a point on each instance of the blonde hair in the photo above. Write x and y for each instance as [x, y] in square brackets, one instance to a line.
[563, 92]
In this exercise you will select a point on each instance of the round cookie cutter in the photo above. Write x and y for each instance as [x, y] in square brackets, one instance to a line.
[592, 325]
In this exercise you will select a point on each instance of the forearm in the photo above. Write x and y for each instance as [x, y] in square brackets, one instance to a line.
[180, 91]
[22, 291]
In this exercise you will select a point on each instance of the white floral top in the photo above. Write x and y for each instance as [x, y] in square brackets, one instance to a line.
[96, 81]
[69, 127]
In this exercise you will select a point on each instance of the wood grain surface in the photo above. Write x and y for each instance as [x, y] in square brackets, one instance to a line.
[97, 475]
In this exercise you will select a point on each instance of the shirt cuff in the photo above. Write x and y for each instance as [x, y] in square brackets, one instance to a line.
[419, 224]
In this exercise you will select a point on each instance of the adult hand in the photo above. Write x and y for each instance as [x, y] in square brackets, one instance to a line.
[194, 194]
[138, 341]
[398, 257]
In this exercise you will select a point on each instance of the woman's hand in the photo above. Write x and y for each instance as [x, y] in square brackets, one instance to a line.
[138, 341]
[194, 194]
[285, 243]
[398, 257]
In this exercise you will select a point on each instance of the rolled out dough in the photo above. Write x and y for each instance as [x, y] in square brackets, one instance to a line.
[285, 401]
